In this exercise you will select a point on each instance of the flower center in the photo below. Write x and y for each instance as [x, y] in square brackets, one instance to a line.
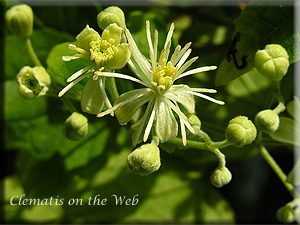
[31, 83]
[165, 75]
[102, 51]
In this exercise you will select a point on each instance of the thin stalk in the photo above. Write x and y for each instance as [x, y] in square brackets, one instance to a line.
[31, 53]
[69, 104]
[269, 159]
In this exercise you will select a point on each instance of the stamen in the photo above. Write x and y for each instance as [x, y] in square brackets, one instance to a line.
[186, 65]
[184, 57]
[75, 48]
[169, 36]
[181, 53]
[175, 53]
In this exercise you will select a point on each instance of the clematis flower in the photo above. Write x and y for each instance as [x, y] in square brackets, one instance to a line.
[105, 53]
[160, 94]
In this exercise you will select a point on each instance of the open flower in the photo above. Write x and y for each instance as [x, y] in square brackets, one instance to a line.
[105, 53]
[162, 96]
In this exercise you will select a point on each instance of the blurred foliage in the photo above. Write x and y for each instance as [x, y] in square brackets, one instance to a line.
[49, 165]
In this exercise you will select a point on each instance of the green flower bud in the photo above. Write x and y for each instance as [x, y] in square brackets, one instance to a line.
[286, 214]
[33, 82]
[76, 126]
[194, 121]
[272, 62]
[111, 15]
[145, 159]
[267, 120]
[240, 131]
[220, 177]
[19, 20]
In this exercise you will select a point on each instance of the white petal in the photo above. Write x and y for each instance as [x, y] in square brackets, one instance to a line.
[149, 35]
[169, 36]
[137, 55]
[78, 73]
[180, 114]
[119, 75]
[149, 125]
[139, 73]
[140, 97]
[72, 84]
[203, 90]
[183, 132]
[183, 97]
[155, 48]
[207, 98]
[166, 126]
[105, 98]
[134, 97]
[197, 70]
[136, 135]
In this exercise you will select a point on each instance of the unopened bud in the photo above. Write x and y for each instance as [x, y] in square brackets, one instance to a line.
[272, 62]
[76, 126]
[111, 15]
[240, 131]
[145, 159]
[33, 82]
[220, 177]
[195, 122]
[286, 214]
[267, 120]
[19, 20]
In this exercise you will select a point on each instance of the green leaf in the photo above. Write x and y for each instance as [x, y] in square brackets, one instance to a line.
[256, 27]
[286, 132]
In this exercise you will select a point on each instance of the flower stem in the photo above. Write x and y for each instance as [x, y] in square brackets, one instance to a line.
[280, 108]
[269, 159]
[113, 88]
[220, 156]
[31, 53]
[69, 104]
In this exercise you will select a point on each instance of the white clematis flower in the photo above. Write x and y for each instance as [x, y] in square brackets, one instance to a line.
[162, 96]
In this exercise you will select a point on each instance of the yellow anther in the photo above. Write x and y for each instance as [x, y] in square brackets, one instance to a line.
[102, 51]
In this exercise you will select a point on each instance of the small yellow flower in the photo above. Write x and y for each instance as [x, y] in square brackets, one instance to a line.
[105, 53]
[33, 82]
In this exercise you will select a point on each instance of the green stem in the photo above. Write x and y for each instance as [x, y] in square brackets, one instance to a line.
[113, 88]
[277, 92]
[69, 104]
[269, 159]
[280, 108]
[220, 156]
[31, 53]
[189, 144]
